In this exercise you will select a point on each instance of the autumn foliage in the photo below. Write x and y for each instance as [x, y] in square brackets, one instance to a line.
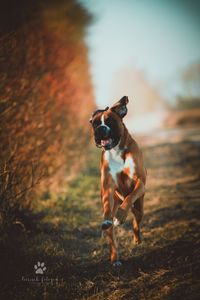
[45, 97]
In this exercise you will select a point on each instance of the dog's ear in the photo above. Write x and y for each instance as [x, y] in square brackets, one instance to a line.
[120, 107]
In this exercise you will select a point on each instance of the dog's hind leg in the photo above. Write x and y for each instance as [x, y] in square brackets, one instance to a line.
[113, 246]
[137, 210]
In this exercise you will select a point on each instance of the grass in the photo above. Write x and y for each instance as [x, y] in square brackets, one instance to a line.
[63, 231]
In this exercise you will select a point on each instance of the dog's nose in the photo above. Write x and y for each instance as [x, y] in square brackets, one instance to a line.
[102, 131]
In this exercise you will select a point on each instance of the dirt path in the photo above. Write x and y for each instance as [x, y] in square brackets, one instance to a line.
[64, 233]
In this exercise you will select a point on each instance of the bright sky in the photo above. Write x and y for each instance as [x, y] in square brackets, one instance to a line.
[161, 38]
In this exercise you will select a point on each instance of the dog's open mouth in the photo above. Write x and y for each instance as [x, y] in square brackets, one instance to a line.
[107, 142]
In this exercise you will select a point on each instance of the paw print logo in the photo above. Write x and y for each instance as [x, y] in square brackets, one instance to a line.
[40, 268]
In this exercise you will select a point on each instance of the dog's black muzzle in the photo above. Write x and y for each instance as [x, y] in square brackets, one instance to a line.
[105, 137]
[102, 132]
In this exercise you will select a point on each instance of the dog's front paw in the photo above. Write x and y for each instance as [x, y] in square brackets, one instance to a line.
[116, 222]
[117, 263]
[120, 216]
[106, 224]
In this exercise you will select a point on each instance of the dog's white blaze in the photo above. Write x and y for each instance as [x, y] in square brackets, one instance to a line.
[117, 164]
[102, 120]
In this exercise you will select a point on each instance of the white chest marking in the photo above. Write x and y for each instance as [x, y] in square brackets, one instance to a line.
[117, 164]
[129, 166]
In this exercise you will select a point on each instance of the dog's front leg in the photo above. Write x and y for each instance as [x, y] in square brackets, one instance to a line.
[107, 225]
[122, 211]
[113, 246]
[106, 196]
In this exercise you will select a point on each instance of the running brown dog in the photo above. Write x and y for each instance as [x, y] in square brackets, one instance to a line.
[123, 175]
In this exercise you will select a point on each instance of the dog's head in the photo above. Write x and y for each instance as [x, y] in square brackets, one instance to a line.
[108, 125]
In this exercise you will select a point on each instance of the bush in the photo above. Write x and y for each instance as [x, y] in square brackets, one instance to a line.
[45, 99]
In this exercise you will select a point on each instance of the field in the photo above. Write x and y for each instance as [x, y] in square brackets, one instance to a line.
[63, 231]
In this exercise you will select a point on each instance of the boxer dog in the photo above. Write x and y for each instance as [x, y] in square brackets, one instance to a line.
[123, 174]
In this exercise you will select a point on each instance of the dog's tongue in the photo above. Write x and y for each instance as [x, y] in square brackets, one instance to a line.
[105, 142]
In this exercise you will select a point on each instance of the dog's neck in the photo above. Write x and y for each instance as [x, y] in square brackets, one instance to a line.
[124, 140]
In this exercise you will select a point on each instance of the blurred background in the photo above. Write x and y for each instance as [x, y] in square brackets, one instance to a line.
[149, 51]
[45, 86]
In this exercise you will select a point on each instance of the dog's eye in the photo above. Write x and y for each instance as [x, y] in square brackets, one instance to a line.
[96, 123]
[109, 121]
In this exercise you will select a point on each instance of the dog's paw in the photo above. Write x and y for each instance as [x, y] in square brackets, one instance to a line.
[117, 263]
[106, 224]
[116, 222]
[121, 215]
